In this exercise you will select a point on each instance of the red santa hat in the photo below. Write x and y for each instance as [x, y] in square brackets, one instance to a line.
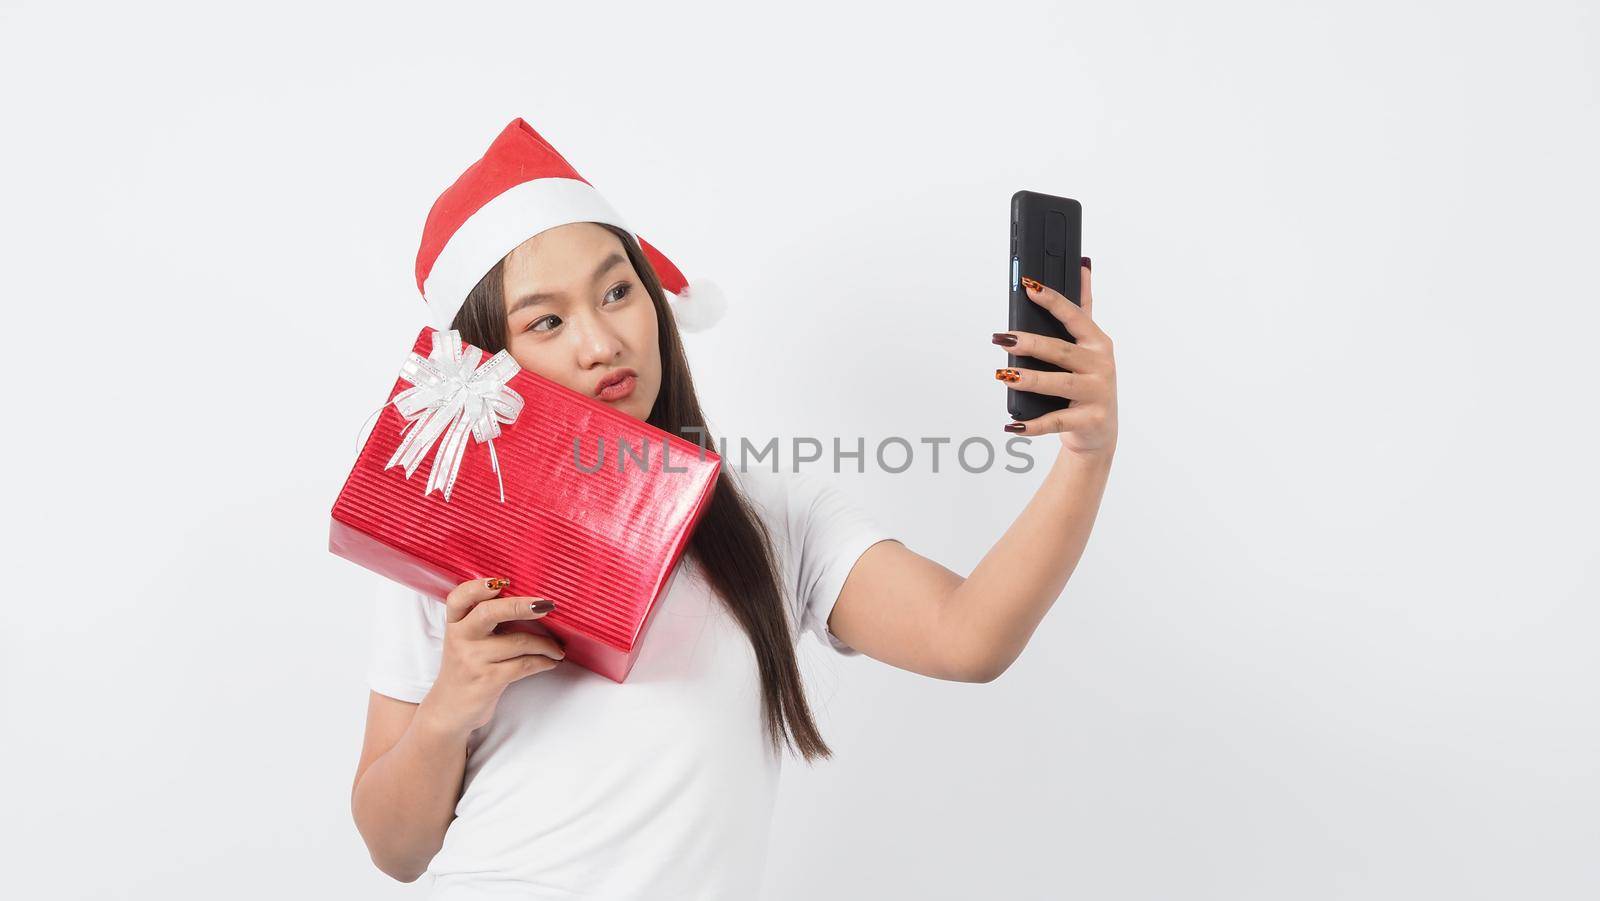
[520, 187]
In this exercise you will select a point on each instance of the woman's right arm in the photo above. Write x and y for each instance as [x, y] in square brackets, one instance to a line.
[414, 755]
[406, 786]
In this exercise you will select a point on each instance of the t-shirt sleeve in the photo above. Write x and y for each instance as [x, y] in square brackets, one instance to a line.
[407, 642]
[828, 534]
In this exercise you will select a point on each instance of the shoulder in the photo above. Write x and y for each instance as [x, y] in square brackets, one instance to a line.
[819, 533]
[803, 511]
[766, 489]
[783, 499]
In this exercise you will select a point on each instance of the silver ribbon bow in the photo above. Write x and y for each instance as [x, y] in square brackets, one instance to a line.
[453, 397]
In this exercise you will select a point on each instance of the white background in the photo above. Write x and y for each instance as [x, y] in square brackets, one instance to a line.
[1334, 635]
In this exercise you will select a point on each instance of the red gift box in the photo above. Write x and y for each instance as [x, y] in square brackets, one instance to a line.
[600, 543]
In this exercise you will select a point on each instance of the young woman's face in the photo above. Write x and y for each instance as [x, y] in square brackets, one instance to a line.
[579, 314]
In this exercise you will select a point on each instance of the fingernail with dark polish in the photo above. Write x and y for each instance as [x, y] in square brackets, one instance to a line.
[1016, 426]
[1086, 264]
[543, 606]
[1004, 340]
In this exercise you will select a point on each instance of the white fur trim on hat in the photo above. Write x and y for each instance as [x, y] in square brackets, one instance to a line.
[499, 227]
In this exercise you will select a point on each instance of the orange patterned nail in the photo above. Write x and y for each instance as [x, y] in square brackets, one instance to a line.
[1032, 285]
[1008, 375]
[496, 584]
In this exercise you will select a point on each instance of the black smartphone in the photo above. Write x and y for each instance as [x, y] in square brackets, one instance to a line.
[1046, 246]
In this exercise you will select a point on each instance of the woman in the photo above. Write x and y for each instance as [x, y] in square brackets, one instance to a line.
[498, 770]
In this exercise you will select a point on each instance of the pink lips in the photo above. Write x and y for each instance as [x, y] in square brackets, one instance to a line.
[616, 385]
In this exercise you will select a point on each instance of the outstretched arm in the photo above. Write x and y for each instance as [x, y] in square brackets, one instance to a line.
[899, 607]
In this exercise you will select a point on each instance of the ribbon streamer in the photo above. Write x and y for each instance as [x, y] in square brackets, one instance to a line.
[451, 398]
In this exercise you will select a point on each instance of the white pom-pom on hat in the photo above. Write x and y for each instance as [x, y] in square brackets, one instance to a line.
[699, 306]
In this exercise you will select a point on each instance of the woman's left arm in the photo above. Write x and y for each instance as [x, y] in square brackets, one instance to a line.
[907, 610]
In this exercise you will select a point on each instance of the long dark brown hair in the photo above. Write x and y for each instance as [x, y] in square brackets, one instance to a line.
[731, 543]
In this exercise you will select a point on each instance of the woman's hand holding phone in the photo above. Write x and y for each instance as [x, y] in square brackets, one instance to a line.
[1089, 424]
[478, 662]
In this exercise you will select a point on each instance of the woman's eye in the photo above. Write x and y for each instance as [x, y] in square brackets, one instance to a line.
[620, 291]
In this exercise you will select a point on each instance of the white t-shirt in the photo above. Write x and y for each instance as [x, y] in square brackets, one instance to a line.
[659, 787]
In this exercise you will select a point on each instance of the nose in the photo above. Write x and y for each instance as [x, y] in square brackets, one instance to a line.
[598, 343]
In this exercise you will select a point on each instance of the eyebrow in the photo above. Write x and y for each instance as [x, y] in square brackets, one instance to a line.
[540, 297]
